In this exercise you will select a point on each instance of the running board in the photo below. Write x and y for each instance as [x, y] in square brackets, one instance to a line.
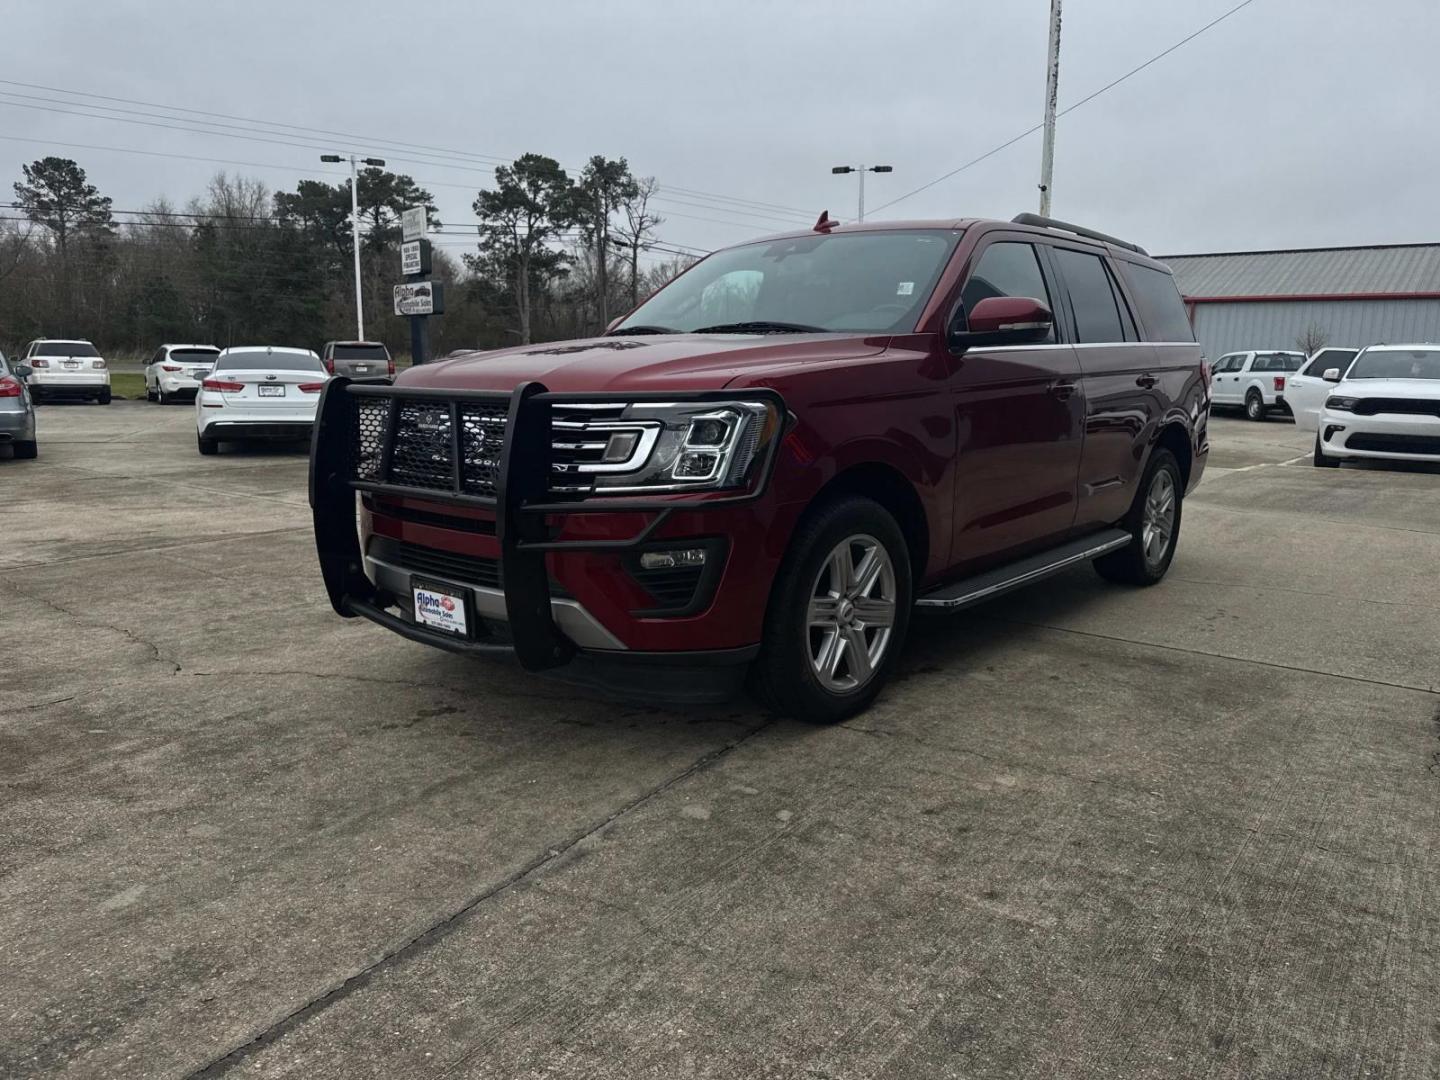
[961, 594]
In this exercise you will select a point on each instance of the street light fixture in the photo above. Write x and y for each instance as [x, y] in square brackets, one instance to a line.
[355, 229]
[862, 170]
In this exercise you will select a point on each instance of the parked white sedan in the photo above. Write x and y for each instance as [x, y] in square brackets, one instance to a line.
[258, 392]
[1308, 388]
[1387, 406]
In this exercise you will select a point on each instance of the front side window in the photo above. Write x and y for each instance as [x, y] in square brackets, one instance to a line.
[1326, 359]
[1008, 268]
[1396, 364]
[841, 283]
[1097, 316]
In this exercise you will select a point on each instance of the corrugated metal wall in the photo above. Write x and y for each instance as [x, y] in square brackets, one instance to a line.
[1224, 327]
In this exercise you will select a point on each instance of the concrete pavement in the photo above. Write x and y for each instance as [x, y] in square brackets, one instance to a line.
[1187, 831]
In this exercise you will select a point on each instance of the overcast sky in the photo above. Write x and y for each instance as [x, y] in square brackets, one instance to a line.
[1292, 123]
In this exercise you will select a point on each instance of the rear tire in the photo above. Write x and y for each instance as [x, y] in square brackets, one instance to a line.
[165, 399]
[1254, 406]
[207, 446]
[1153, 524]
[1321, 461]
[845, 586]
[26, 451]
[104, 396]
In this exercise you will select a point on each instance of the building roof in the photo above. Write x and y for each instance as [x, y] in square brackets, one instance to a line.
[1393, 270]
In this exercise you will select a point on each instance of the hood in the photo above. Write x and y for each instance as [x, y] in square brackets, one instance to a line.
[667, 362]
[1422, 389]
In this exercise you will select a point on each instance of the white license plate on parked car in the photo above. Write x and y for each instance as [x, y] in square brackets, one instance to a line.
[440, 609]
[272, 391]
[71, 363]
[362, 368]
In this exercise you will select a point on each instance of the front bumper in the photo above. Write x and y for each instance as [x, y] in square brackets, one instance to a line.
[1385, 437]
[548, 578]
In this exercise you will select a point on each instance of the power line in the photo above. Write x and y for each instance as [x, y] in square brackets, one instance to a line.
[1068, 109]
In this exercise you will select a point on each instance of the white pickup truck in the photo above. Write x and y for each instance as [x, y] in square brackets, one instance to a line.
[1254, 380]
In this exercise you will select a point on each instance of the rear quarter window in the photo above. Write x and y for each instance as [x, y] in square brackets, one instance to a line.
[1161, 309]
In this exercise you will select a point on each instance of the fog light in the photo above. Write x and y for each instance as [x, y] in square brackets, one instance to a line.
[620, 447]
[670, 560]
[696, 465]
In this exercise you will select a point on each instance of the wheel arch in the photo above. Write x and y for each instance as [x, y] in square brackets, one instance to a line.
[1174, 436]
[888, 486]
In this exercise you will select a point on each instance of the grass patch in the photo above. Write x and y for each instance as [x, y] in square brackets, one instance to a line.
[127, 385]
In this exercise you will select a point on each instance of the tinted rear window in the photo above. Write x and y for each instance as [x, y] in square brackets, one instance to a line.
[194, 356]
[65, 348]
[263, 361]
[1097, 316]
[1277, 362]
[360, 352]
[1161, 308]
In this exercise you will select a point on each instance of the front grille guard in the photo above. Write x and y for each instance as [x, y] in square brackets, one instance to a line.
[521, 499]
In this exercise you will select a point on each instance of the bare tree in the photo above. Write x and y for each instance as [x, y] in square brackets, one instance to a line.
[1312, 339]
[14, 242]
[638, 232]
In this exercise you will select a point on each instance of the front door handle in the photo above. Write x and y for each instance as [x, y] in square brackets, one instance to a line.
[1061, 389]
[1147, 381]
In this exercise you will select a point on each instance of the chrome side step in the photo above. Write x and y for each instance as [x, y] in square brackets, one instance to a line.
[962, 594]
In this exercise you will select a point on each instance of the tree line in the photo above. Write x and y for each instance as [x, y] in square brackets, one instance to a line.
[554, 256]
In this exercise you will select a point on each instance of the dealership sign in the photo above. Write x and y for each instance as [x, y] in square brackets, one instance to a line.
[420, 298]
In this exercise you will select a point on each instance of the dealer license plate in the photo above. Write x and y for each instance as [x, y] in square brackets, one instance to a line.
[440, 608]
[271, 391]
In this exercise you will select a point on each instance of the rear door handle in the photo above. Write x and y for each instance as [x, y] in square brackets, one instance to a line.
[1061, 389]
[1147, 381]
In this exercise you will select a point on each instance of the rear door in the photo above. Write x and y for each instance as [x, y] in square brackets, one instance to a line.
[1307, 389]
[1121, 403]
[1019, 418]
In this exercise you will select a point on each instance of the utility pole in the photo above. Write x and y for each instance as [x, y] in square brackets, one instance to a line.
[862, 170]
[1052, 92]
[355, 231]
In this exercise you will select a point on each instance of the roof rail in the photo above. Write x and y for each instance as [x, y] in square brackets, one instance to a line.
[1078, 230]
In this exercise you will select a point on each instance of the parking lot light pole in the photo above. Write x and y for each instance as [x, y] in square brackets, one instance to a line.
[355, 230]
[862, 170]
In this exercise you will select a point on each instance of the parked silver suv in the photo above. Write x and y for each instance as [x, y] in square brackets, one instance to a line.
[358, 359]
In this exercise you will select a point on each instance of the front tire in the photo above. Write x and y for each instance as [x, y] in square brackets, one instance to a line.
[1320, 460]
[1254, 406]
[1153, 524]
[26, 450]
[207, 446]
[838, 613]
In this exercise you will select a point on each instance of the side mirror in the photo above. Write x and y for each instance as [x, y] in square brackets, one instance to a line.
[1332, 374]
[1001, 320]
[24, 370]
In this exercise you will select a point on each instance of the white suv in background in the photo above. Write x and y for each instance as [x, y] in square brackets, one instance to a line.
[61, 367]
[1387, 406]
[1308, 388]
[176, 370]
[1254, 380]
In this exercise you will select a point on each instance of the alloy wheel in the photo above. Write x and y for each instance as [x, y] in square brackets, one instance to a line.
[851, 614]
[1158, 522]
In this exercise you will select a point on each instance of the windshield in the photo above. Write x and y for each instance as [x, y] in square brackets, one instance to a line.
[194, 356]
[260, 360]
[1396, 364]
[361, 352]
[65, 348]
[849, 282]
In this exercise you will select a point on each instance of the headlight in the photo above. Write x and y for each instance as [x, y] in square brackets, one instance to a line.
[674, 446]
[1341, 404]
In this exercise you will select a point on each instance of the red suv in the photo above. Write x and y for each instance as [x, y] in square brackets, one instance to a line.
[776, 457]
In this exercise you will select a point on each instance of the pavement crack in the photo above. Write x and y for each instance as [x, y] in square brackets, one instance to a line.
[232, 1058]
[157, 656]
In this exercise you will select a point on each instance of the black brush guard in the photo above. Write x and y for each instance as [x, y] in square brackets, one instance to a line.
[521, 503]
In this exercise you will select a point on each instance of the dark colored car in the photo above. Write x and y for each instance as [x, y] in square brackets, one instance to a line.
[779, 455]
[17, 412]
[358, 359]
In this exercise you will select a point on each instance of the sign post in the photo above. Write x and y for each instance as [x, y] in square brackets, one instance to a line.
[419, 297]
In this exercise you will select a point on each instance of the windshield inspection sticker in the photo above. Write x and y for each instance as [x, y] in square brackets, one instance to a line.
[906, 288]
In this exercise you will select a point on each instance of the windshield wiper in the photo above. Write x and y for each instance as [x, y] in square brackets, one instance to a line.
[760, 326]
[641, 330]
